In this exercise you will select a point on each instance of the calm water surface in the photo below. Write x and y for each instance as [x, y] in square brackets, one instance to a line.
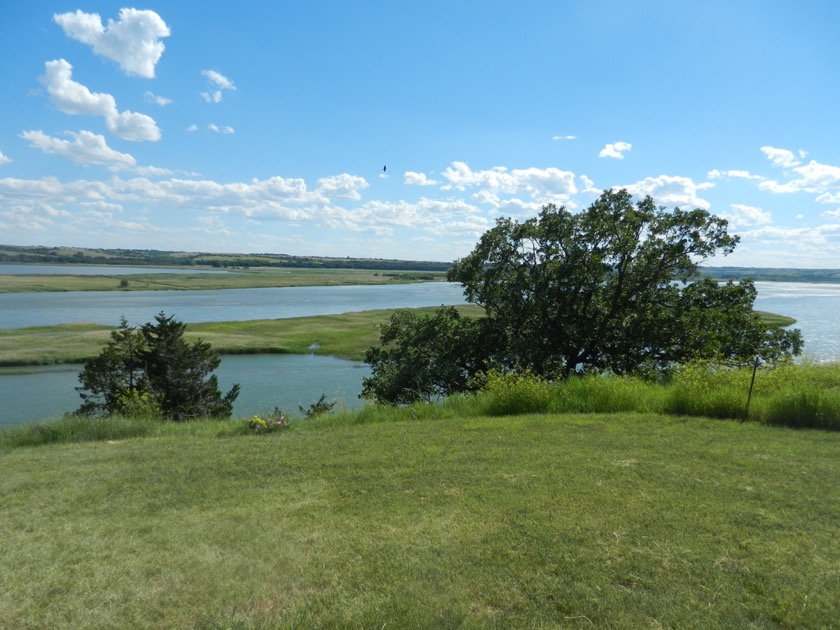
[284, 381]
[18, 310]
[816, 308]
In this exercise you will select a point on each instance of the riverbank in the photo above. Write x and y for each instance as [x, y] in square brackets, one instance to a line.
[186, 281]
[589, 520]
[344, 336]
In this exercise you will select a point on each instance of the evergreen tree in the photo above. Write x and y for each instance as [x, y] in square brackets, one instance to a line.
[156, 361]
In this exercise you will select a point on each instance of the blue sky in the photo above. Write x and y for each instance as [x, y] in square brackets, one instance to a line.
[264, 126]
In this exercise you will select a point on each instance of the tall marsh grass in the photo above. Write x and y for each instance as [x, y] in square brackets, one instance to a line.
[799, 396]
[802, 396]
[76, 429]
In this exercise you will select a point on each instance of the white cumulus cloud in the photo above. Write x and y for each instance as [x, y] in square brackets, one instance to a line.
[85, 148]
[73, 98]
[549, 184]
[743, 215]
[343, 186]
[133, 41]
[821, 180]
[668, 190]
[780, 157]
[4, 159]
[410, 178]
[615, 150]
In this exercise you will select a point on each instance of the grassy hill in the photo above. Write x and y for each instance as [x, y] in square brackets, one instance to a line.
[426, 518]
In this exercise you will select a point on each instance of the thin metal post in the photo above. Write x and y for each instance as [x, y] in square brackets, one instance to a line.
[752, 382]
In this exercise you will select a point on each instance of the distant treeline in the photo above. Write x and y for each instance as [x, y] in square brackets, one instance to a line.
[157, 258]
[769, 274]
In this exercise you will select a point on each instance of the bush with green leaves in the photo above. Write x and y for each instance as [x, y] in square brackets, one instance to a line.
[134, 403]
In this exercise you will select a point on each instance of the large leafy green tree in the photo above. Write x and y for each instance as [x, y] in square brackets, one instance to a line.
[157, 362]
[614, 288]
[423, 357]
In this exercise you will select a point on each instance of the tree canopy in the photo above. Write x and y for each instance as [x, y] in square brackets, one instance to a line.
[613, 288]
[157, 365]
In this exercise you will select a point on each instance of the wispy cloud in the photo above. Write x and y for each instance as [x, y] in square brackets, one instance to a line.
[84, 147]
[157, 100]
[133, 41]
[732, 174]
[219, 82]
[564, 137]
[225, 129]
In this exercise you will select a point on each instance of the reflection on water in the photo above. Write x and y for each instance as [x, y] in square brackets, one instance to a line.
[18, 310]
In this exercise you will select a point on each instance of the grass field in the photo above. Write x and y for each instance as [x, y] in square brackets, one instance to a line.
[426, 518]
[243, 279]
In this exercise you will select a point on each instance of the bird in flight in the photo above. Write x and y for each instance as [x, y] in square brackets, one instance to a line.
[385, 168]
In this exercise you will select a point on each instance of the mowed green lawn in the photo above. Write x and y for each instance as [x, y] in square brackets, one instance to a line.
[608, 521]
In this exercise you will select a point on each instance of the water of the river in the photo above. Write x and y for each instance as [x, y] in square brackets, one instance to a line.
[18, 310]
[285, 381]
[289, 380]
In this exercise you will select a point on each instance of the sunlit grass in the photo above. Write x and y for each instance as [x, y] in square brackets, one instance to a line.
[420, 517]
